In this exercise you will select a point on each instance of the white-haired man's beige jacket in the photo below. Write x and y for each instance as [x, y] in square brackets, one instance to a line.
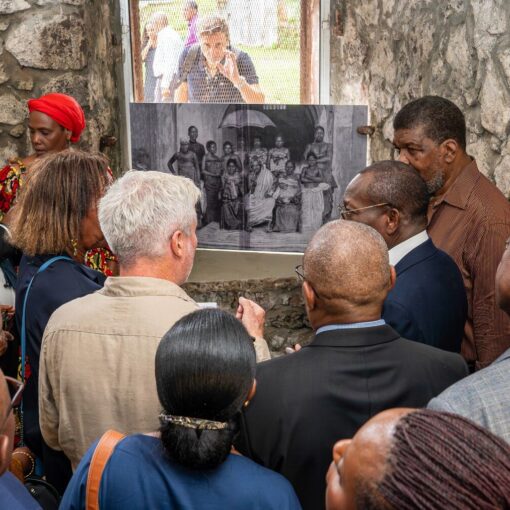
[97, 361]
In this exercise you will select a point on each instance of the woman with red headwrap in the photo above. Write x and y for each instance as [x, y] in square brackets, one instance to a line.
[55, 121]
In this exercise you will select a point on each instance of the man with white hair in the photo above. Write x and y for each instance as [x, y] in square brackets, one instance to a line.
[97, 354]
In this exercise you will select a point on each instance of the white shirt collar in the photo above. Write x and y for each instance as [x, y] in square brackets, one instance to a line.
[397, 253]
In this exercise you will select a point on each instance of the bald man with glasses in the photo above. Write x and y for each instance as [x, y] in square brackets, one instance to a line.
[428, 303]
[354, 367]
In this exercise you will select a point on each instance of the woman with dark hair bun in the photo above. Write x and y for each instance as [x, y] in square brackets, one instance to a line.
[205, 373]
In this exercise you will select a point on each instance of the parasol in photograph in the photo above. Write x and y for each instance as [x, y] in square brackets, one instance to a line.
[246, 118]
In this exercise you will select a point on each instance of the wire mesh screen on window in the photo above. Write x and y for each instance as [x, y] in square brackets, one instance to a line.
[264, 37]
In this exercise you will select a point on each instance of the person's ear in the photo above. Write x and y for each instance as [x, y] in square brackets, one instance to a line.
[393, 277]
[177, 244]
[392, 221]
[450, 150]
[4, 453]
[309, 296]
[68, 135]
[339, 449]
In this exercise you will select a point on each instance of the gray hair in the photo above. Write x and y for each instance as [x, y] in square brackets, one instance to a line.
[141, 211]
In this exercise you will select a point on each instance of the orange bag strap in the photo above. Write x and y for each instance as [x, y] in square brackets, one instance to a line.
[102, 453]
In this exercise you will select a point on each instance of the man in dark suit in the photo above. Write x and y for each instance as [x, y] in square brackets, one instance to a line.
[355, 366]
[428, 302]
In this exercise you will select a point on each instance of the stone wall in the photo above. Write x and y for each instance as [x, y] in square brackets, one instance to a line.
[70, 46]
[286, 322]
[383, 53]
[386, 52]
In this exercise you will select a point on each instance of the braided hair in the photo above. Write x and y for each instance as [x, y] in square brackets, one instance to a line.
[440, 460]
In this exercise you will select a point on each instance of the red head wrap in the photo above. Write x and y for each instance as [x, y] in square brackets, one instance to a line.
[63, 109]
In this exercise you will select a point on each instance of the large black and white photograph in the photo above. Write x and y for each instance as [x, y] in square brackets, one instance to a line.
[270, 176]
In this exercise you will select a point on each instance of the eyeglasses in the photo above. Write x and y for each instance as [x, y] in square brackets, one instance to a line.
[16, 391]
[346, 213]
[301, 276]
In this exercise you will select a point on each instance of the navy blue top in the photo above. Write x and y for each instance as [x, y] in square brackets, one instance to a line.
[60, 283]
[14, 496]
[428, 303]
[139, 475]
[218, 89]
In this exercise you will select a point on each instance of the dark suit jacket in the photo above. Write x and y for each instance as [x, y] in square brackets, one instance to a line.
[308, 400]
[428, 303]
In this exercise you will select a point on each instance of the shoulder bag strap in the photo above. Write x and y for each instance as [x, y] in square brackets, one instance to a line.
[23, 332]
[102, 453]
[189, 60]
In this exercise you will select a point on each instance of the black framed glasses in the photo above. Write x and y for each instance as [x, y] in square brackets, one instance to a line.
[16, 391]
[301, 276]
[346, 213]
[300, 272]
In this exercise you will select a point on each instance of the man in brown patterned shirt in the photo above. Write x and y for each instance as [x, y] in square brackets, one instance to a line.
[468, 216]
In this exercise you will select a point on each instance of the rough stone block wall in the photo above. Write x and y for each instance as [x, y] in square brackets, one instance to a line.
[69, 46]
[383, 53]
[386, 52]
[286, 322]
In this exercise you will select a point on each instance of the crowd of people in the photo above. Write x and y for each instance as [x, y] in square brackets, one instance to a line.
[205, 68]
[257, 187]
[121, 392]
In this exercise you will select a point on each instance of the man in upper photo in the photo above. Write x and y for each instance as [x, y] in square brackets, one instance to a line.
[468, 217]
[214, 72]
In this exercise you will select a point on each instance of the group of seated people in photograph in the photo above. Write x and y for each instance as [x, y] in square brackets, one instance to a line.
[135, 397]
[257, 187]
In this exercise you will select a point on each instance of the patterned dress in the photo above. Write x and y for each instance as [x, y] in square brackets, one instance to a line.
[232, 202]
[258, 156]
[12, 179]
[288, 205]
[278, 158]
[213, 168]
